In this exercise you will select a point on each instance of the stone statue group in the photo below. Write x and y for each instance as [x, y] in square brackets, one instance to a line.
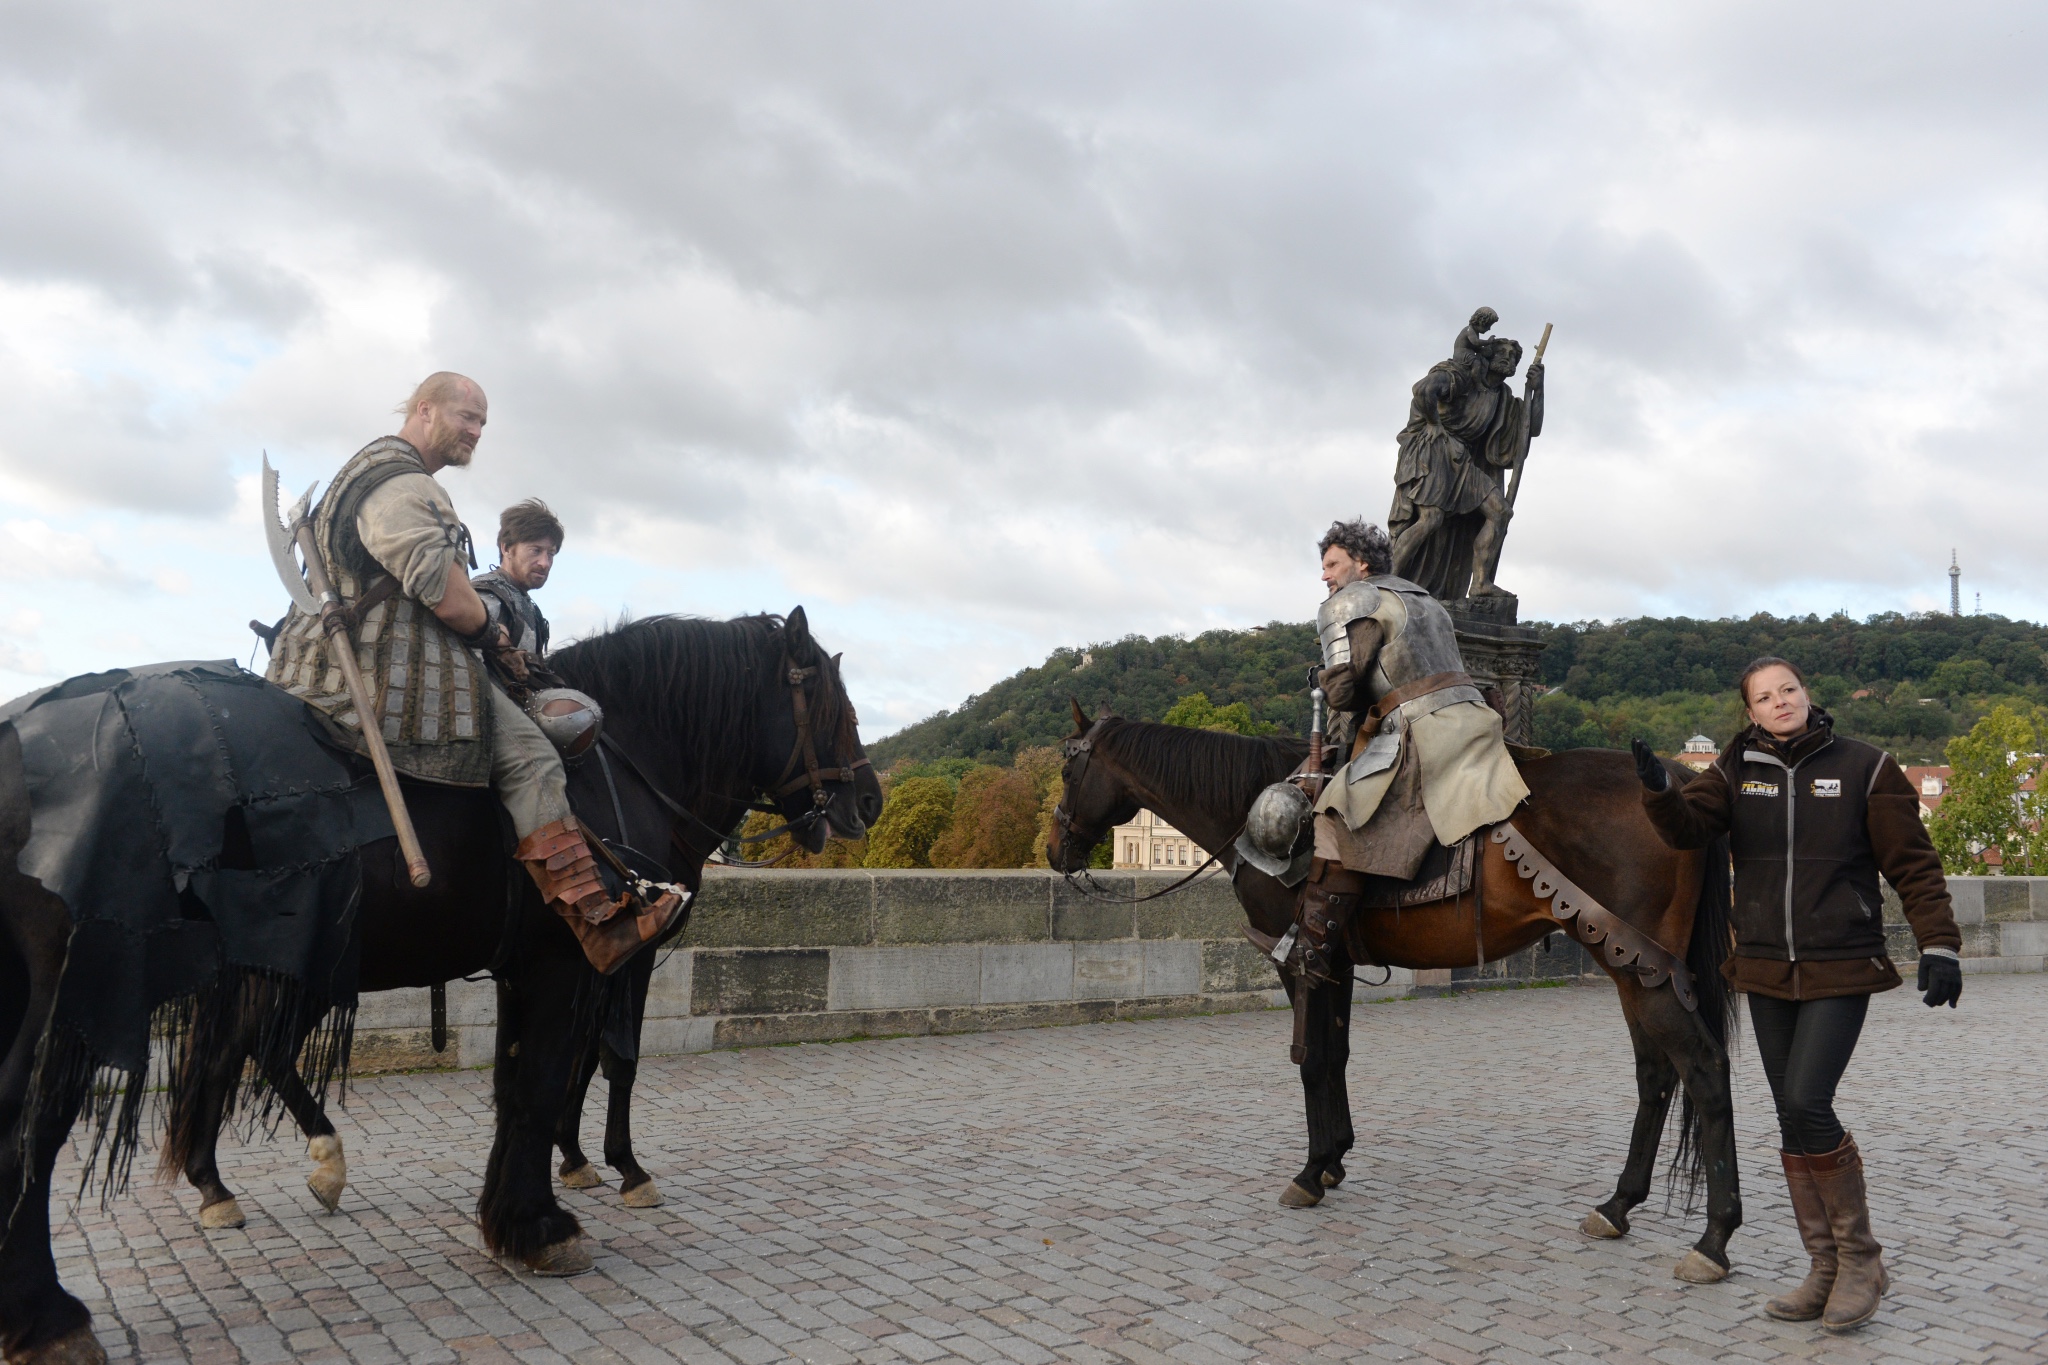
[1460, 463]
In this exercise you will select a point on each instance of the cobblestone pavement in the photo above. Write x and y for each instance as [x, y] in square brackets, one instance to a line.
[1108, 1193]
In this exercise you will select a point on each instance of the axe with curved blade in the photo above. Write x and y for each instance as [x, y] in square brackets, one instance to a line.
[313, 593]
[281, 535]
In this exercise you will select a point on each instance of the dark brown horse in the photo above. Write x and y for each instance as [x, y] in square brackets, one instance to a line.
[1584, 815]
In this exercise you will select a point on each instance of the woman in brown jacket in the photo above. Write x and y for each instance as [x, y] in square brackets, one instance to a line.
[1812, 818]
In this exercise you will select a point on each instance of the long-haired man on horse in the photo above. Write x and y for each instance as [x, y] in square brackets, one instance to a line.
[1426, 765]
[398, 555]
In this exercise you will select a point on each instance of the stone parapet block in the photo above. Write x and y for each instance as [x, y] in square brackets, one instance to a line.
[776, 909]
[960, 907]
[760, 981]
[758, 1030]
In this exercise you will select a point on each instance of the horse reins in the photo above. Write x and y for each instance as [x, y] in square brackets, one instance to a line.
[803, 750]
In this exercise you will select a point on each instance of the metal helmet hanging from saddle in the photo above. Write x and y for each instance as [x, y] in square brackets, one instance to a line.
[571, 720]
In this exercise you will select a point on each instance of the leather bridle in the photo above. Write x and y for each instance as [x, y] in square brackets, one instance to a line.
[803, 750]
[1080, 746]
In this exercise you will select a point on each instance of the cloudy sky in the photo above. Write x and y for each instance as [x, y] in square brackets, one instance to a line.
[984, 328]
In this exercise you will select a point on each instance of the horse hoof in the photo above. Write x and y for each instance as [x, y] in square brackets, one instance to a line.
[226, 1214]
[567, 1257]
[1332, 1181]
[76, 1347]
[1295, 1197]
[1698, 1268]
[584, 1177]
[645, 1195]
[1596, 1225]
[330, 1173]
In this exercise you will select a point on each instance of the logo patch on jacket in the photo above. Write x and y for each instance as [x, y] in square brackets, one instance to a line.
[1759, 789]
[1827, 786]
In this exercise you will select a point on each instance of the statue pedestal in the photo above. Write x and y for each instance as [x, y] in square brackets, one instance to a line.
[1499, 652]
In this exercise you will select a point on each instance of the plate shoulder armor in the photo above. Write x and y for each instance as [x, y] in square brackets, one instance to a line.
[1352, 602]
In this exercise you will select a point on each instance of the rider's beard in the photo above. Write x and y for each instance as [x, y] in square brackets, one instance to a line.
[445, 443]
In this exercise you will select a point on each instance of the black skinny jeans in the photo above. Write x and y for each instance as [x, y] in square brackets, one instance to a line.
[1805, 1046]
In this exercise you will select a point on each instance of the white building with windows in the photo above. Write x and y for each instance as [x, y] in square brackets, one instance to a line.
[1148, 842]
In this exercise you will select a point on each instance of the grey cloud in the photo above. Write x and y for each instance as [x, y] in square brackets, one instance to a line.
[1071, 319]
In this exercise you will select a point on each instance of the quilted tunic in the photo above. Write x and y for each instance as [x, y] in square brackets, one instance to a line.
[384, 514]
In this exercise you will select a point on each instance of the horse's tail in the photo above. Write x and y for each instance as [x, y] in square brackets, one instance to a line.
[1704, 956]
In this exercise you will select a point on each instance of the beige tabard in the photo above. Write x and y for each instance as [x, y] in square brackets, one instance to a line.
[1447, 745]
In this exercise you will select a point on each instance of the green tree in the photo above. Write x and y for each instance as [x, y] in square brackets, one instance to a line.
[915, 815]
[1986, 806]
[1197, 712]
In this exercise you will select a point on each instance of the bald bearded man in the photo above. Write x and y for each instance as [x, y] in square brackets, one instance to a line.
[399, 557]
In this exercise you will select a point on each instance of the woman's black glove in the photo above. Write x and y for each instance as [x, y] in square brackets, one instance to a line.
[1648, 767]
[1942, 980]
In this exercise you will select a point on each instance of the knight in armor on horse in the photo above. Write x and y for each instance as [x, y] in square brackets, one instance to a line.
[1424, 762]
[399, 558]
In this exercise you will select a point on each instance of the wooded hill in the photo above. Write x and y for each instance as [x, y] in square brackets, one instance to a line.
[1928, 677]
[1265, 667]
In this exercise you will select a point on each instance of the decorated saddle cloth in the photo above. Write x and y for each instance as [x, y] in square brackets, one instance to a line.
[202, 838]
[1437, 770]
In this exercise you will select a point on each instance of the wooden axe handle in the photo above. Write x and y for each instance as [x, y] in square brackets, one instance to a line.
[344, 651]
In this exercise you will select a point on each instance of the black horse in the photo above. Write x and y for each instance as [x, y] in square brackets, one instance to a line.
[707, 709]
[668, 832]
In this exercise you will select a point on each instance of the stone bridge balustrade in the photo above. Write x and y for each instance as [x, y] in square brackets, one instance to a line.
[812, 956]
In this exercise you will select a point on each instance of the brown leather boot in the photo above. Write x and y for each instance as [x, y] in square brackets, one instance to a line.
[1805, 1303]
[561, 864]
[1860, 1279]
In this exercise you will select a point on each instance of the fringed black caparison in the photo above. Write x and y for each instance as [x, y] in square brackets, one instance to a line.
[295, 1045]
[247, 1011]
[708, 703]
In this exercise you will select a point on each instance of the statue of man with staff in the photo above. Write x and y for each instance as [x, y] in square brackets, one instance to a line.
[1466, 429]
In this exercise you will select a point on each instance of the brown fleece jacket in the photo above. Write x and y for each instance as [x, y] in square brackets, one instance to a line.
[1811, 822]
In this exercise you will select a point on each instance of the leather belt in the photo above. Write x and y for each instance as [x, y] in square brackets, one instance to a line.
[1376, 714]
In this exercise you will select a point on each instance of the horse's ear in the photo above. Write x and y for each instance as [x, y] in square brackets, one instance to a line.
[797, 628]
[1080, 716]
[1102, 711]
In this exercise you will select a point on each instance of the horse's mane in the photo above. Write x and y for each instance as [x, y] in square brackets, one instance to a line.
[1200, 766]
[687, 687]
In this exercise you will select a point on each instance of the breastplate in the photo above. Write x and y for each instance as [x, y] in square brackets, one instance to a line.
[1423, 642]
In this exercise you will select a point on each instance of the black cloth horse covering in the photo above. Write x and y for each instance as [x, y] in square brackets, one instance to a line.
[203, 836]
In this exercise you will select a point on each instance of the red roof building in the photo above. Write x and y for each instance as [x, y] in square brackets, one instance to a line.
[1932, 784]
